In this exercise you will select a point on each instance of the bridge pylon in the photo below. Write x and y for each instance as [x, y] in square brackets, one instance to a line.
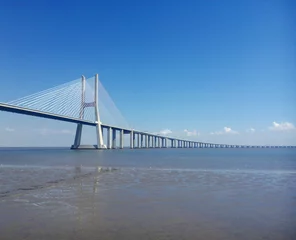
[95, 105]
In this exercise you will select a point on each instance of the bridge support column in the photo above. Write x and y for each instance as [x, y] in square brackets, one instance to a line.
[109, 137]
[138, 140]
[132, 139]
[121, 138]
[146, 141]
[142, 139]
[77, 140]
[100, 141]
[113, 138]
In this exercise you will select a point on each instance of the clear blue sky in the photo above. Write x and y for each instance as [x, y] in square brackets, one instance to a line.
[204, 66]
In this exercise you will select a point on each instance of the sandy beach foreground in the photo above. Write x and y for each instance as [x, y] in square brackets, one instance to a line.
[149, 203]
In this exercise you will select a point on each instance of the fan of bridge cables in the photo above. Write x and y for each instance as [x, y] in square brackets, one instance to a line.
[66, 100]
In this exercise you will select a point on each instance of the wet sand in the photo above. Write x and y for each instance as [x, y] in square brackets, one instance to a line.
[147, 203]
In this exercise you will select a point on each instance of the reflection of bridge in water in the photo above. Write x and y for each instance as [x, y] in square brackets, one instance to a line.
[79, 102]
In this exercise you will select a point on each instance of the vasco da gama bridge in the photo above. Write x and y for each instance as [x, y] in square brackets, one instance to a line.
[83, 102]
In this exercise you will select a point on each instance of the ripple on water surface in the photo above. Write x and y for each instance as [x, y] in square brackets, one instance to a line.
[146, 203]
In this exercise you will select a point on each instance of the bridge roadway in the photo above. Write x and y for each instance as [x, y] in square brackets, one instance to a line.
[138, 139]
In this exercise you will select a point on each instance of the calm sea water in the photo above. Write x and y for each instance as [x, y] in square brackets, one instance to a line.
[148, 194]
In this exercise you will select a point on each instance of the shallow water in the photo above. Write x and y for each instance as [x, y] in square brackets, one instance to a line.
[148, 194]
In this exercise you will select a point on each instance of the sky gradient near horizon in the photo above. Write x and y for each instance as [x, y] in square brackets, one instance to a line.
[219, 71]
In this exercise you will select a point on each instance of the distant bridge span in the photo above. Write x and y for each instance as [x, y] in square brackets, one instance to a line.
[138, 139]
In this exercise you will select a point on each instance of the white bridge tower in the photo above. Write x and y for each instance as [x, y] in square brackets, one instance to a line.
[95, 105]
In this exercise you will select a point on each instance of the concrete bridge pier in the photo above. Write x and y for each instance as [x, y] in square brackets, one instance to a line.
[146, 140]
[132, 139]
[113, 138]
[121, 138]
[142, 140]
[109, 137]
[138, 140]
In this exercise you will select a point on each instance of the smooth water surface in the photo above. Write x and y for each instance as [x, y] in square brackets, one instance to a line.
[148, 194]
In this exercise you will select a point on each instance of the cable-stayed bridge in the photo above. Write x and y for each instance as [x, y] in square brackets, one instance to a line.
[86, 102]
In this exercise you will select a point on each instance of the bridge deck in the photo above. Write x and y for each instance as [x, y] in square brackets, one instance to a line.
[36, 113]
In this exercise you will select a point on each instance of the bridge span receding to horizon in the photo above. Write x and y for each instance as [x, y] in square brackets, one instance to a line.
[51, 105]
